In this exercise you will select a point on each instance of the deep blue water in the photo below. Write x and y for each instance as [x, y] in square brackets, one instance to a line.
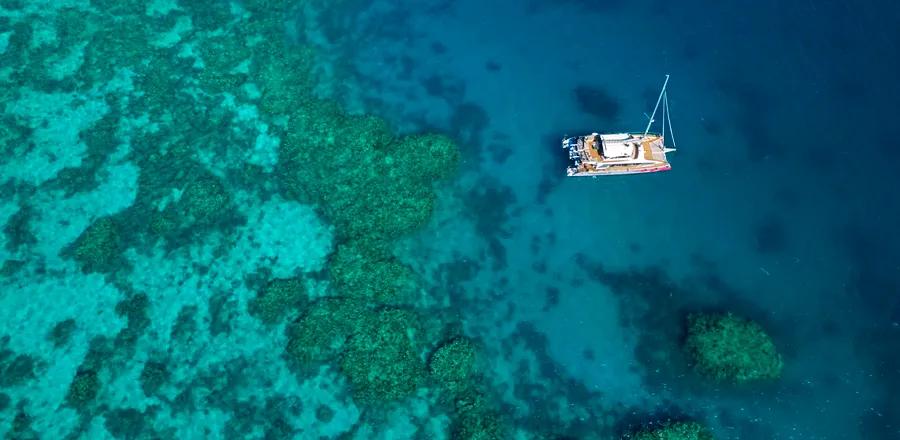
[780, 207]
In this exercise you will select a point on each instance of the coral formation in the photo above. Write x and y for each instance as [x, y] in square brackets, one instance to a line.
[203, 201]
[432, 156]
[153, 376]
[389, 197]
[98, 246]
[17, 229]
[21, 427]
[278, 299]
[475, 420]
[672, 431]
[322, 332]
[221, 57]
[134, 309]
[366, 269]
[281, 73]
[381, 360]
[453, 363]
[15, 369]
[83, 389]
[324, 413]
[62, 332]
[202, 204]
[730, 348]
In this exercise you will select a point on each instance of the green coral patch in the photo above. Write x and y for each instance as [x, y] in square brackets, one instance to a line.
[432, 156]
[729, 348]
[15, 369]
[153, 377]
[453, 363]
[366, 269]
[367, 182]
[83, 389]
[673, 431]
[323, 330]
[475, 420]
[97, 249]
[278, 299]
[382, 360]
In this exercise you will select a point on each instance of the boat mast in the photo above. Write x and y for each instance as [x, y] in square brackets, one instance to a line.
[656, 107]
[665, 112]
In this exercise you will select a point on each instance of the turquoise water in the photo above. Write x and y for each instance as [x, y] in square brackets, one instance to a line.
[309, 219]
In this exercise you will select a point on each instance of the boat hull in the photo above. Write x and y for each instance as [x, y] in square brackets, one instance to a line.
[611, 172]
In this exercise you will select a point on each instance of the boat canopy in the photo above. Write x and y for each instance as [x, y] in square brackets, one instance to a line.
[617, 150]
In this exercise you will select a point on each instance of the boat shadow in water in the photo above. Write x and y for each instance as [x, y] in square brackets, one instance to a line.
[597, 103]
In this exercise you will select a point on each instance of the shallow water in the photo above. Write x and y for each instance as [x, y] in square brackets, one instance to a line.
[190, 194]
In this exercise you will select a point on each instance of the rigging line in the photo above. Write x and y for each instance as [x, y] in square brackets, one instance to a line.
[664, 112]
[656, 107]
[669, 120]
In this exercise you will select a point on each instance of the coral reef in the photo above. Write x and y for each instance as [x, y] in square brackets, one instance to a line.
[453, 363]
[322, 332]
[15, 369]
[389, 197]
[382, 360]
[203, 203]
[453, 366]
[475, 419]
[366, 269]
[730, 348]
[98, 246]
[134, 310]
[281, 74]
[221, 57]
[672, 431]
[278, 299]
[211, 113]
[83, 389]
[153, 376]
[21, 427]
[432, 156]
[62, 332]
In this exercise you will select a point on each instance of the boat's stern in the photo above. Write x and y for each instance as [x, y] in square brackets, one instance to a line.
[571, 144]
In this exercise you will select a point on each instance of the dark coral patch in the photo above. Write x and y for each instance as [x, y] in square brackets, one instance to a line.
[97, 248]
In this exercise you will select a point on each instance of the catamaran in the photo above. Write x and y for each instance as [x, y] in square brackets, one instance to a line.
[623, 153]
